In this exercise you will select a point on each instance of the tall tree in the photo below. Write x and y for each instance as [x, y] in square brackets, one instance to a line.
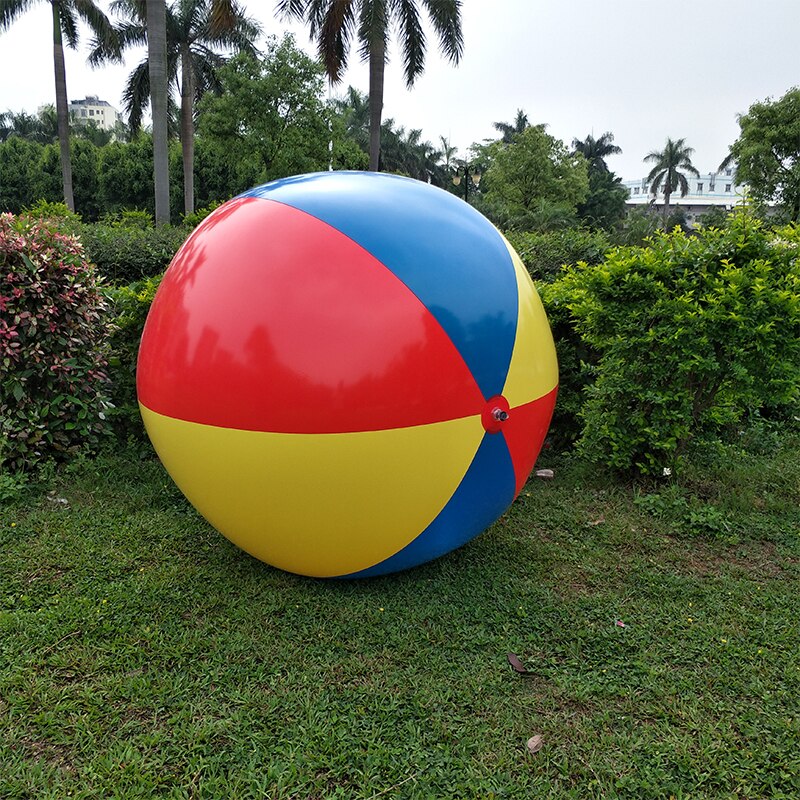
[66, 14]
[767, 152]
[334, 23]
[192, 61]
[269, 121]
[156, 17]
[42, 128]
[511, 130]
[448, 155]
[595, 151]
[534, 178]
[604, 206]
[354, 109]
[666, 173]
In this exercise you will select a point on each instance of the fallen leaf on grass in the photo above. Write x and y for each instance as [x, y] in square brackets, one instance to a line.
[517, 665]
[594, 523]
[535, 743]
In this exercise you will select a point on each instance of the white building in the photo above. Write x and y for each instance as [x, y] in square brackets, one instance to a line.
[92, 109]
[712, 190]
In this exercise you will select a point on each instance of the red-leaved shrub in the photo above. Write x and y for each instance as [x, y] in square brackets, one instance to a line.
[53, 342]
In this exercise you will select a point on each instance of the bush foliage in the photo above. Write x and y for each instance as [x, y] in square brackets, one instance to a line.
[129, 306]
[53, 342]
[545, 253]
[689, 335]
[126, 251]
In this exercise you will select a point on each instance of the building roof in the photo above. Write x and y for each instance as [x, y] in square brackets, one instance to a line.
[91, 100]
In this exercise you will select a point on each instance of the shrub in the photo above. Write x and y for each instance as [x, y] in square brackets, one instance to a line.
[143, 220]
[19, 162]
[124, 253]
[129, 307]
[691, 334]
[56, 215]
[545, 253]
[194, 219]
[638, 227]
[53, 342]
[575, 369]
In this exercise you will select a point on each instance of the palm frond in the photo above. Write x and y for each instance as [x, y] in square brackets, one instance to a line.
[726, 162]
[333, 39]
[412, 40]
[223, 13]
[69, 23]
[136, 95]
[95, 18]
[291, 9]
[131, 9]
[654, 178]
[446, 18]
[373, 26]
[11, 9]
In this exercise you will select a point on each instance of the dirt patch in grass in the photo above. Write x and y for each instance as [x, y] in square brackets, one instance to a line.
[57, 756]
[755, 560]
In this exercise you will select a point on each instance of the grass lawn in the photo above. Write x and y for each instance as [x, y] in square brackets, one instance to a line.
[143, 656]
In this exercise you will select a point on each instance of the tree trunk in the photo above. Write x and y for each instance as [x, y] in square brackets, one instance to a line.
[667, 195]
[62, 109]
[157, 57]
[377, 64]
[187, 129]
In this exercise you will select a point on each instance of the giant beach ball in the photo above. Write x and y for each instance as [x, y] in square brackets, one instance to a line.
[347, 374]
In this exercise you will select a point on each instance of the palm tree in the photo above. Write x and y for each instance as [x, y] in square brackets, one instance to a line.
[191, 63]
[156, 21]
[669, 162]
[510, 130]
[333, 23]
[42, 128]
[156, 16]
[448, 155]
[65, 26]
[595, 151]
[354, 108]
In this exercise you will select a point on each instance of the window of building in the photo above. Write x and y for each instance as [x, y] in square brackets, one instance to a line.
[728, 172]
[699, 188]
[727, 187]
[636, 190]
[91, 112]
[711, 186]
[83, 112]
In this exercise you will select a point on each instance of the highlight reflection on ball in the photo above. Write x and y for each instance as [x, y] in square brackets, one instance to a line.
[347, 373]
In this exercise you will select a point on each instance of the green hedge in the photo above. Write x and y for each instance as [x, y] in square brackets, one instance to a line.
[127, 253]
[545, 253]
[683, 339]
[129, 306]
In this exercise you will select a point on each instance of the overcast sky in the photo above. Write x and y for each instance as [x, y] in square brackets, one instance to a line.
[642, 69]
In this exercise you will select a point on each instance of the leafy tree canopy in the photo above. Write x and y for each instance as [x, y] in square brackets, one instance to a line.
[536, 171]
[768, 151]
[270, 119]
[604, 206]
